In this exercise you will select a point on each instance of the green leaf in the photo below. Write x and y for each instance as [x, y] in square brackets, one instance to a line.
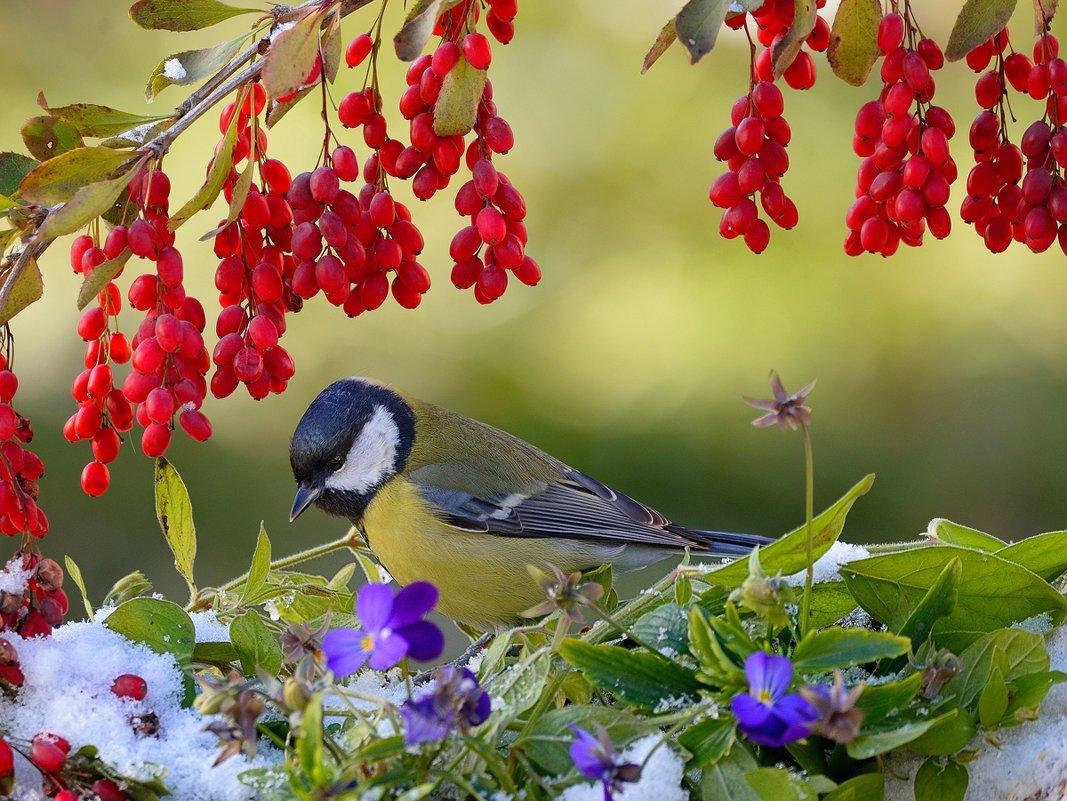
[978, 21]
[183, 15]
[257, 573]
[880, 701]
[942, 530]
[668, 35]
[778, 784]
[27, 289]
[830, 601]
[48, 136]
[191, 66]
[853, 45]
[418, 26]
[100, 276]
[993, 699]
[99, 121]
[992, 592]
[175, 514]
[1044, 554]
[214, 653]
[332, 49]
[75, 574]
[869, 745]
[1027, 692]
[697, 26]
[255, 643]
[87, 204]
[456, 109]
[865, 787]
[548, 740]
[665, 628]
[786, 48]
[1022, 652]
[216, 177]
[939, 602]
[952, 733]
[938, 780]
[708, 741]
[291, 56]
[310, 752]
[635, 677]
[161, 625]
[517, 688]
[788, 554]
[13, 168]
[836, 647]
[56, 180]
[725, 779]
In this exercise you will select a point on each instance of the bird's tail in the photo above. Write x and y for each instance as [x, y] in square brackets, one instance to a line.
[723, 543]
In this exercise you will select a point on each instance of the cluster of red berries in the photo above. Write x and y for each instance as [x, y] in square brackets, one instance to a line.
[500, 19]
[754, 149]
[904, 180]
[1017, 193]
[773, 20]
[34, 612]
[256, 270]
[167, 354]
[20, 468]
[49, 753]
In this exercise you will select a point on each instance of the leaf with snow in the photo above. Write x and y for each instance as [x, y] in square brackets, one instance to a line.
[697, 26]
[978, 21]
[291, 56]
[56, 180]
[183, 15]
[668, 35]
[98, 121]
[853, 47]
[190, 66]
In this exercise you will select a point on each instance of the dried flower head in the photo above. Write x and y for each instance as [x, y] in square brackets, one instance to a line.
[457, 702]
[788, 411]
[942, 668]
[567, 593]
[298, 640]
[839, 719]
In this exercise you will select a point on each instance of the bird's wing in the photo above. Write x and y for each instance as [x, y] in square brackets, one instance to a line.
[574, 507]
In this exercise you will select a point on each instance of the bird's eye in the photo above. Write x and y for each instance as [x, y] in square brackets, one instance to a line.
[336, 463]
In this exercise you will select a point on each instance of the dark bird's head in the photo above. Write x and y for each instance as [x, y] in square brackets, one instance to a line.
[354, 436]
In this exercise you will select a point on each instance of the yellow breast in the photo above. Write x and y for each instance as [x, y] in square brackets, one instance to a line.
[482, 578]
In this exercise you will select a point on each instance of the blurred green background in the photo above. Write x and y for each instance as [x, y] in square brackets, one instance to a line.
[943, 370]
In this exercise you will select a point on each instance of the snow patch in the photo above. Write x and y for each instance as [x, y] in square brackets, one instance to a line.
[14, 578]
[173, 70]
[827, 568]
[661, 776]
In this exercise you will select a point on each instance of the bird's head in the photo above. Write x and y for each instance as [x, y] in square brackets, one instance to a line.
[353, 437]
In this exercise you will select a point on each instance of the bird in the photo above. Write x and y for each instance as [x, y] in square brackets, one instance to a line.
[444, 498]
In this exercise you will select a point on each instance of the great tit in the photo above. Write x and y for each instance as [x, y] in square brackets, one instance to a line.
[444, 498]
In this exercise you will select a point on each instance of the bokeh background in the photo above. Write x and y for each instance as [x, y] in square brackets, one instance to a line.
[943, 369]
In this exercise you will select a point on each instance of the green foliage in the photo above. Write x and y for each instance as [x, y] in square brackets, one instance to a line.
[978, 21]
[175, 514]
[27, 289]
[183, 15]
[456, 109]
[697, 26]
[191, 66]
[853, 45]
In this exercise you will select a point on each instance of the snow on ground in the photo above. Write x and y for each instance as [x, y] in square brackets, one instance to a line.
[827, 568]
[1029, 764]
[661, 776]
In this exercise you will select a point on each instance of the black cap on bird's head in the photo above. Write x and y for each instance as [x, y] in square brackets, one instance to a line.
[353, 437]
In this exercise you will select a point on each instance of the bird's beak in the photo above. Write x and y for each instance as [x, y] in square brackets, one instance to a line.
[305, 496]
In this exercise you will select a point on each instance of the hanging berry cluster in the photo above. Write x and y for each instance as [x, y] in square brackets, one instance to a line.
[1003, 210]
[20, 468]
[904, 180]
[35, 606]
[754, 146]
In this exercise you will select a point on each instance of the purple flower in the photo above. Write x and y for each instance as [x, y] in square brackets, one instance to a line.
[392, 628]
[765, 714]
[456, 702]
[597, 758]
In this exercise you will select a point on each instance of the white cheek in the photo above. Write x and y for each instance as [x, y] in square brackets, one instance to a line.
[371, 457]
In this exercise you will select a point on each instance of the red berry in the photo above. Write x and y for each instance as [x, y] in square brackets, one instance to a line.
[49, 752]
[155, 440]
[105, 789]
[130, 685]
[476, 50]
[890, 32]
[358, 49]
[195, 424]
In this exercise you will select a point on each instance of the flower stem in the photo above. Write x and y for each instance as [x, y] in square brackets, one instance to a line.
[809, 513]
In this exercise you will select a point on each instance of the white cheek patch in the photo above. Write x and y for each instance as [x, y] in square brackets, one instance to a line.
[371, 457]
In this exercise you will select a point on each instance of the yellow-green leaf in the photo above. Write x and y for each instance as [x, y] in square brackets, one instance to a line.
[183, 15]
[56, 180]
[175, 514]
[28, 289]
[785, 49]
[291, 56]
[95, 120]
[99, 277]
[456, 109]
[256, 644]
[75, 574]
[697, 26]
[47, 136]
[190, 66]
[13, 168]
[88, 203]
[668, 35]
[853, 45]
[978, 21]
[418, 26]
[216, 177]
[257, 573]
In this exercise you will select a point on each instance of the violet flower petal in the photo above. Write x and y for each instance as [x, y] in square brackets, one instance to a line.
[374, 606]
[344, 651]
[425, 640]
[412, 602]
[388, 651]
